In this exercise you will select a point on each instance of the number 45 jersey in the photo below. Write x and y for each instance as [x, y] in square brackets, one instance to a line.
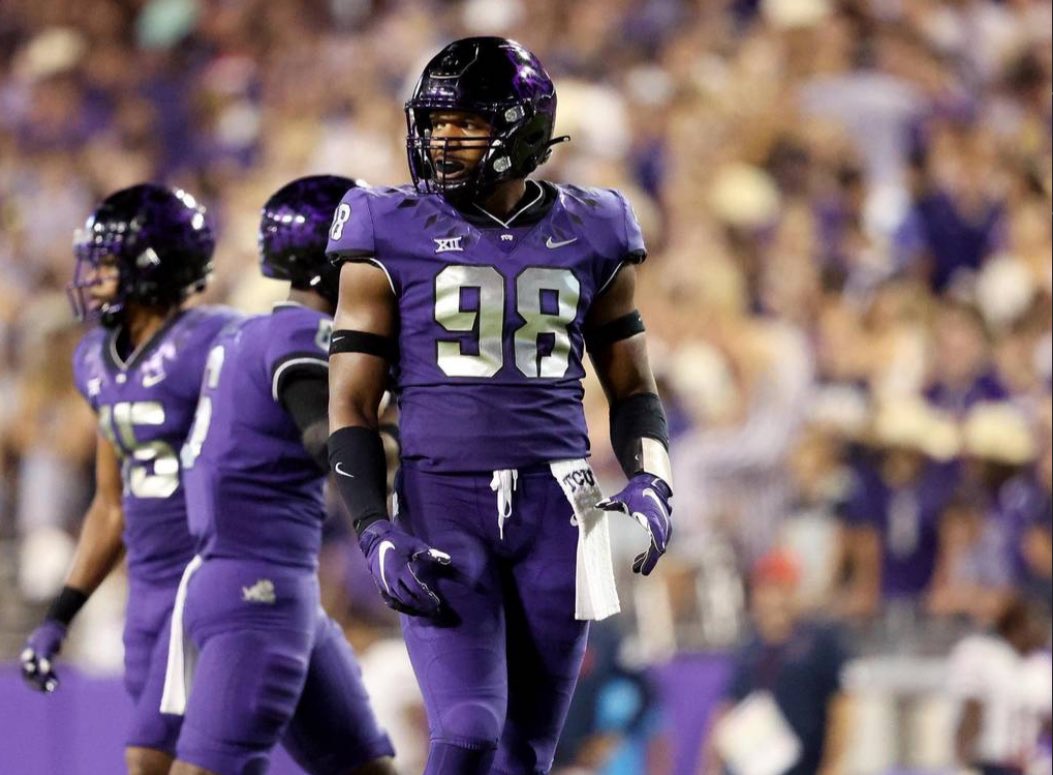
[491, 316]
[145, 405]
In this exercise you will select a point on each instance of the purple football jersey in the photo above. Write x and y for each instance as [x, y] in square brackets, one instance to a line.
[145, 406]
[906, 521]
[490, 318]
[253, 491]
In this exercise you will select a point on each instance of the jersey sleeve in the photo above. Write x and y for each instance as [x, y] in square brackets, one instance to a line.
[86, 359]
[635, 251]
[351, 232]
[628, 247]
[297, 348]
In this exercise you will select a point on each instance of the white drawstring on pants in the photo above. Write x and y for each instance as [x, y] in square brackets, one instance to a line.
[504, 484]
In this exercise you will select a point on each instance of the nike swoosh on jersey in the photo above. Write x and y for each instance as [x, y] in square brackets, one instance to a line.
[342, 473]
[385, 547]
[551, 245]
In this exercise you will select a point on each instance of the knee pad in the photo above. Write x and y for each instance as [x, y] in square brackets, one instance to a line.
[476, 721]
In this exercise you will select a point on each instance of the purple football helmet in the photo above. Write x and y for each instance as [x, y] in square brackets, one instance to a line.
[501, 81]
[161, 241]
[294, 229]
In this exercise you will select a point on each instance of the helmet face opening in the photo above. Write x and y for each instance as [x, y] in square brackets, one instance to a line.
[294, 233]
[505, 85]
[89, 277]
[160, 242]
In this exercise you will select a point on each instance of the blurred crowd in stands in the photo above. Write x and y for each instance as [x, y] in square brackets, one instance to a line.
[848, 294]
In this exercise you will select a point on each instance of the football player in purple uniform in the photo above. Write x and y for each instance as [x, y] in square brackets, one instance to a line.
[143, 251]
[479, 289]
[268, 665]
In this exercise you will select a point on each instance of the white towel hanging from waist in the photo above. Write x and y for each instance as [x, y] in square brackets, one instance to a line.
[182, 656]
[596, 595]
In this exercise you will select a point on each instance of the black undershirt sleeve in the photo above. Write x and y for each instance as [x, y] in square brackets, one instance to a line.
[306, 398]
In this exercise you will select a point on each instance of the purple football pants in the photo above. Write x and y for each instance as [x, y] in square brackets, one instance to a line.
[498, 669]
[146, 625]
[271, 667]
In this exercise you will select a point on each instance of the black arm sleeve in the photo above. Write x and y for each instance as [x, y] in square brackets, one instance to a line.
[636, 417]
[306, 398]
[357, 456]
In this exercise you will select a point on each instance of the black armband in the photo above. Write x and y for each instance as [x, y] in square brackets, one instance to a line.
[66, 605]
[346, 340]
[633, 421]
[615, 330]
[356, 455]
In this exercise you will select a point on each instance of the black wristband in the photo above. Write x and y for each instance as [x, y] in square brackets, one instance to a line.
[66, 605]
[637, 417]
[356, 455]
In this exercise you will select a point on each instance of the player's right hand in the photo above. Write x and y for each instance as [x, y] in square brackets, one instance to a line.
[646, 498]
[41, 647]
[395, 558]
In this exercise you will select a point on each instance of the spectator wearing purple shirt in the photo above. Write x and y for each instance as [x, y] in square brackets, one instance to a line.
[962, 371]
[1000, 452]
[956, 218]
[892, 512]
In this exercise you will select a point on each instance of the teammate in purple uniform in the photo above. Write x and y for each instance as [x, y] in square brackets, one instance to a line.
[480, 289]
[141, 253]
[270, 665]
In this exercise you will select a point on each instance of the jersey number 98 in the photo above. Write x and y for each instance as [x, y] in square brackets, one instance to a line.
[546, 299]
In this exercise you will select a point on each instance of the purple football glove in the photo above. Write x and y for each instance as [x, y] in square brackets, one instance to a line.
[39, 652]
[646, 499]
[395, 558]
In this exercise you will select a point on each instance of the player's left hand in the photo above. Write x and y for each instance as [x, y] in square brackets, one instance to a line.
[646, 499]
[395, 558]
[39, 652]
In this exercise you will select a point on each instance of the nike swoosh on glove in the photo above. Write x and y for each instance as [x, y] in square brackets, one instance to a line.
[41, 647]
[646, 499]
[395, 558]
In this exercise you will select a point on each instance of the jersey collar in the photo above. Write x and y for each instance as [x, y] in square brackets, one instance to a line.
[113, 357]
[535, 205]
